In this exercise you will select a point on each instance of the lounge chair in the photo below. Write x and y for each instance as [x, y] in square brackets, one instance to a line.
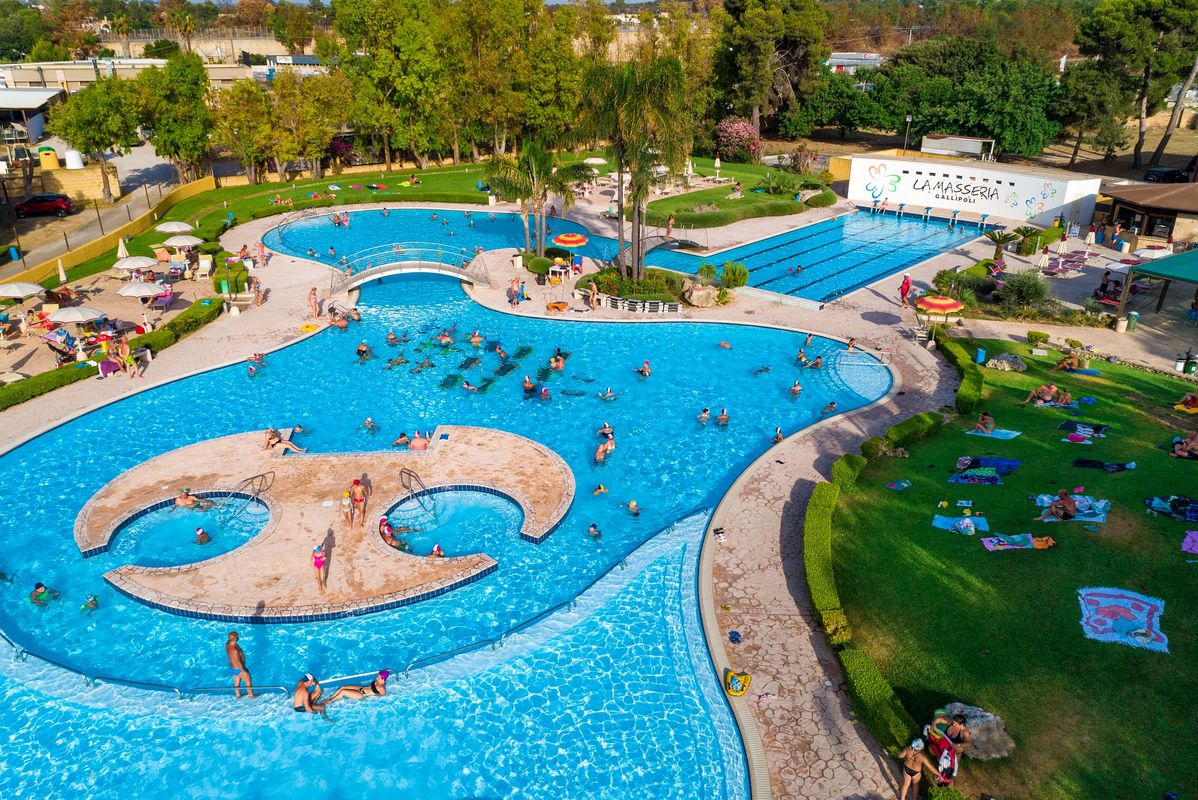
[204, 270]
[161, 253]
[163, 301]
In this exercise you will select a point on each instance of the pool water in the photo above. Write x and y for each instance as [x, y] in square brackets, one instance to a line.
[167, 537]
[461, 521]
[836, 256]
[664, 459]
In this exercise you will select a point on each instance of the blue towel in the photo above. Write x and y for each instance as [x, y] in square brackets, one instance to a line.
[999, 433]
[947, 523]
[1083, 371]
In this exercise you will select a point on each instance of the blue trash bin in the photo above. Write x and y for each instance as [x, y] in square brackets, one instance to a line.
[980, 358]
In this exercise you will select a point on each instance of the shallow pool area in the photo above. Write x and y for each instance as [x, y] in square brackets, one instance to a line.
[169, 536]
[819, 262]
[460, 521]
[625, 685]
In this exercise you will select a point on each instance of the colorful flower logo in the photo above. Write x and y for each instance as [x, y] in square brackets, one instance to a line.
[1012, 199]
[880, 182]
[1048, 191]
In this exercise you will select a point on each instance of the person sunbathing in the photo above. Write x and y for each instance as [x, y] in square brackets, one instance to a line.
[1041, 395]
[1188, 401]
[274, 440]
[1064, 398]
[985, 424]
[1187, 447]
[377, 688]
[1064, 508]
[1069, 362]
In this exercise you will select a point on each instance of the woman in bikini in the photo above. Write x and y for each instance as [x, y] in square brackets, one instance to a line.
[914, 761]
[377, 688]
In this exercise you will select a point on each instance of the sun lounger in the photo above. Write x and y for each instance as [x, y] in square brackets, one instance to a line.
[163, 301]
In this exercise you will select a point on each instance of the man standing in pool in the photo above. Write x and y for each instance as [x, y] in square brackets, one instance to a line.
[237, 664]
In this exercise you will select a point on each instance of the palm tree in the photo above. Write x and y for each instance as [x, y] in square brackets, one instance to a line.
[1001, 239]
[120, 26]
[185, 25]
[1025, 234]
[638, 110]
[531, 179]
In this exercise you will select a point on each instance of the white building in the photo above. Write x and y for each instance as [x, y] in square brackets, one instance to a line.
[1036, 195]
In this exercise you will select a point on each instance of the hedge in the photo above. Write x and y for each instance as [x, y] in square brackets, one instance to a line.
[872, 448]
[969, 394]
[817, 547]
[195, 316]
[725, 216]
[43, 382]
[874, 701]
[236, 274]
[156, 341]
[822, 200]
[846, 469]
[913, 429]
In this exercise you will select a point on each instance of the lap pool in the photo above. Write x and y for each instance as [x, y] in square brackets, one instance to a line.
[818, 262]
[614, 697]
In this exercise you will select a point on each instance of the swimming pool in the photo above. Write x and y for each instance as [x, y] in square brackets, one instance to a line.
[167, 537]
[665, 459]
[836, 256]
[461, 521]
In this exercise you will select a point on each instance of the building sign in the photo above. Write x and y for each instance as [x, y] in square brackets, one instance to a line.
[970, 187]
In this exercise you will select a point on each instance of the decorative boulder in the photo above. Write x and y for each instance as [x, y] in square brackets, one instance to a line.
[1007, 362]
[987, 731]
[700, 296]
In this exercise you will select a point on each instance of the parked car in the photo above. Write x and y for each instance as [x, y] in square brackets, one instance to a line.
[1166, 175]
[57, 204]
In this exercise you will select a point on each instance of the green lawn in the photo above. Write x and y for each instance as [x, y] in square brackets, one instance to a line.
[944, 619]
[708, 208]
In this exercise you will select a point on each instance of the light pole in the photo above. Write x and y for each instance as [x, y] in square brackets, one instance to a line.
[907, 135]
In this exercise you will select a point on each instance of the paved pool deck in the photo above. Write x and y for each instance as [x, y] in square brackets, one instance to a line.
[812, 745]
[270, 578]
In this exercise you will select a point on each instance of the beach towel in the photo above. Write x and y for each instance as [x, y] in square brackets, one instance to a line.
[1055, 405]
[334, 187]
[999, 433]
[1083, 371]
[1018, 541]
[1178, 507]
[1190, 543]
[1077, 438]
[898, 486]
[1087, 429]
[1089, 463]
[1089, 401]
[1002, 466]
[1122, 617]
[952, 523]
[1088, 509]
[980, 476]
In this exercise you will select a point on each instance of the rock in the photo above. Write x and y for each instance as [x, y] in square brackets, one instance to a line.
[988, 732]
[700, 296]
[1007, 362]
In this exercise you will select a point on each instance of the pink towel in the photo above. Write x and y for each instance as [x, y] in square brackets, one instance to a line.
[1190, 543]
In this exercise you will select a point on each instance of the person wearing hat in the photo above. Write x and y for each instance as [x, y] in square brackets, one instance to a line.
[318, 565]
[306, 697]
[914, 761]
[377, 688]
[357, 496]
[41, 593]
[202, 536]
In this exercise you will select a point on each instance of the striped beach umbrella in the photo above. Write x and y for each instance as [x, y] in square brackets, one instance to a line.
[939, 304]
[570, 240]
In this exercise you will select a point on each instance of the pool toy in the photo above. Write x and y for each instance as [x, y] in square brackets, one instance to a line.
[736, 683]
[308, 327]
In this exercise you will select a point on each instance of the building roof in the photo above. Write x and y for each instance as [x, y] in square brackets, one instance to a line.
[26, 99]
[1182, 267]
[1034, 170]
[1163, 196]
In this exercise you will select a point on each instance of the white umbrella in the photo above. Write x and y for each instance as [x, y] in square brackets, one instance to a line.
[140, 289]
[1043, 262]
[130, 263]
[594, 161]
[183, 240]
[62, 273]
[122, 249]
[173, 227]
[20, 291]
[1062, 245]
[1151, 253]
[76, 314]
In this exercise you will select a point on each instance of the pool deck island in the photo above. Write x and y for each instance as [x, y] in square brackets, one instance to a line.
[270, 578]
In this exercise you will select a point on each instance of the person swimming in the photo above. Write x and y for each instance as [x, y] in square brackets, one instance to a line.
[475, 339]
[401, 441]
[778, 437]
[704, 415]
[828, 409]
[469, 386]
[392, 363]
[807, 341]
[594, 531]
[202, 536]
[644, 370]
[761, 371]
[90, 603]
[437, 552]
[600, 489]
[607, 395]
[42, 594]
[364, 353]
[370, 425]
[817, 363]
[723, 417]
[544, 395]
[632, 507]
[499, 351]
[605, 430]
[795, 389]
[528, 385]
[724, 345]
[802, 356]
[392, 339]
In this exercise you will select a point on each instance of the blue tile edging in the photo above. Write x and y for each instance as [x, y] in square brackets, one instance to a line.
[158, 505]
[282, 619]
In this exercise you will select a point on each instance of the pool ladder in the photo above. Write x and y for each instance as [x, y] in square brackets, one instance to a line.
[247, 492]
[416, 490]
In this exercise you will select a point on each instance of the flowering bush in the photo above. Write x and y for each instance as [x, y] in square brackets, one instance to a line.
[736, 140]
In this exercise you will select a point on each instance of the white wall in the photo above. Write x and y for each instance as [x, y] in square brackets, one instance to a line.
[972, 188]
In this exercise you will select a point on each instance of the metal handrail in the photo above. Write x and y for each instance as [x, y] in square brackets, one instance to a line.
[261, 482]
[411, 482]
[222, 689]
[162, 687]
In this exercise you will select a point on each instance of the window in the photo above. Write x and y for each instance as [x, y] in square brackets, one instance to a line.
[1161, 226]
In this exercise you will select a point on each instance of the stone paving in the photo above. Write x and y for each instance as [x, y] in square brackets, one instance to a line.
[269, 578]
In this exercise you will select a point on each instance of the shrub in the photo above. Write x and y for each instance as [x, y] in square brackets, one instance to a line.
[822, 200]
[707, 272]
[210, 248]
[836, 627]
[558, 252]
[846, 469]
[723, 297]
[1037, 338]
[211, 230]
[539, 265]
[235, 273]
[1023, 290]
[714, 218]
[778, 183]
[872, 448]
[657, 284]
[912, 429]
[736, 140]
[874, 701]
[36, 385]
[1074, 343]
[734, 274]
[826, 178]
[195, 316]
[969, 393]
[817, 547]
[156, 341]
[1092, 306]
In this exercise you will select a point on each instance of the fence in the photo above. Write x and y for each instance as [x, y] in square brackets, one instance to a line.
[102, 244]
